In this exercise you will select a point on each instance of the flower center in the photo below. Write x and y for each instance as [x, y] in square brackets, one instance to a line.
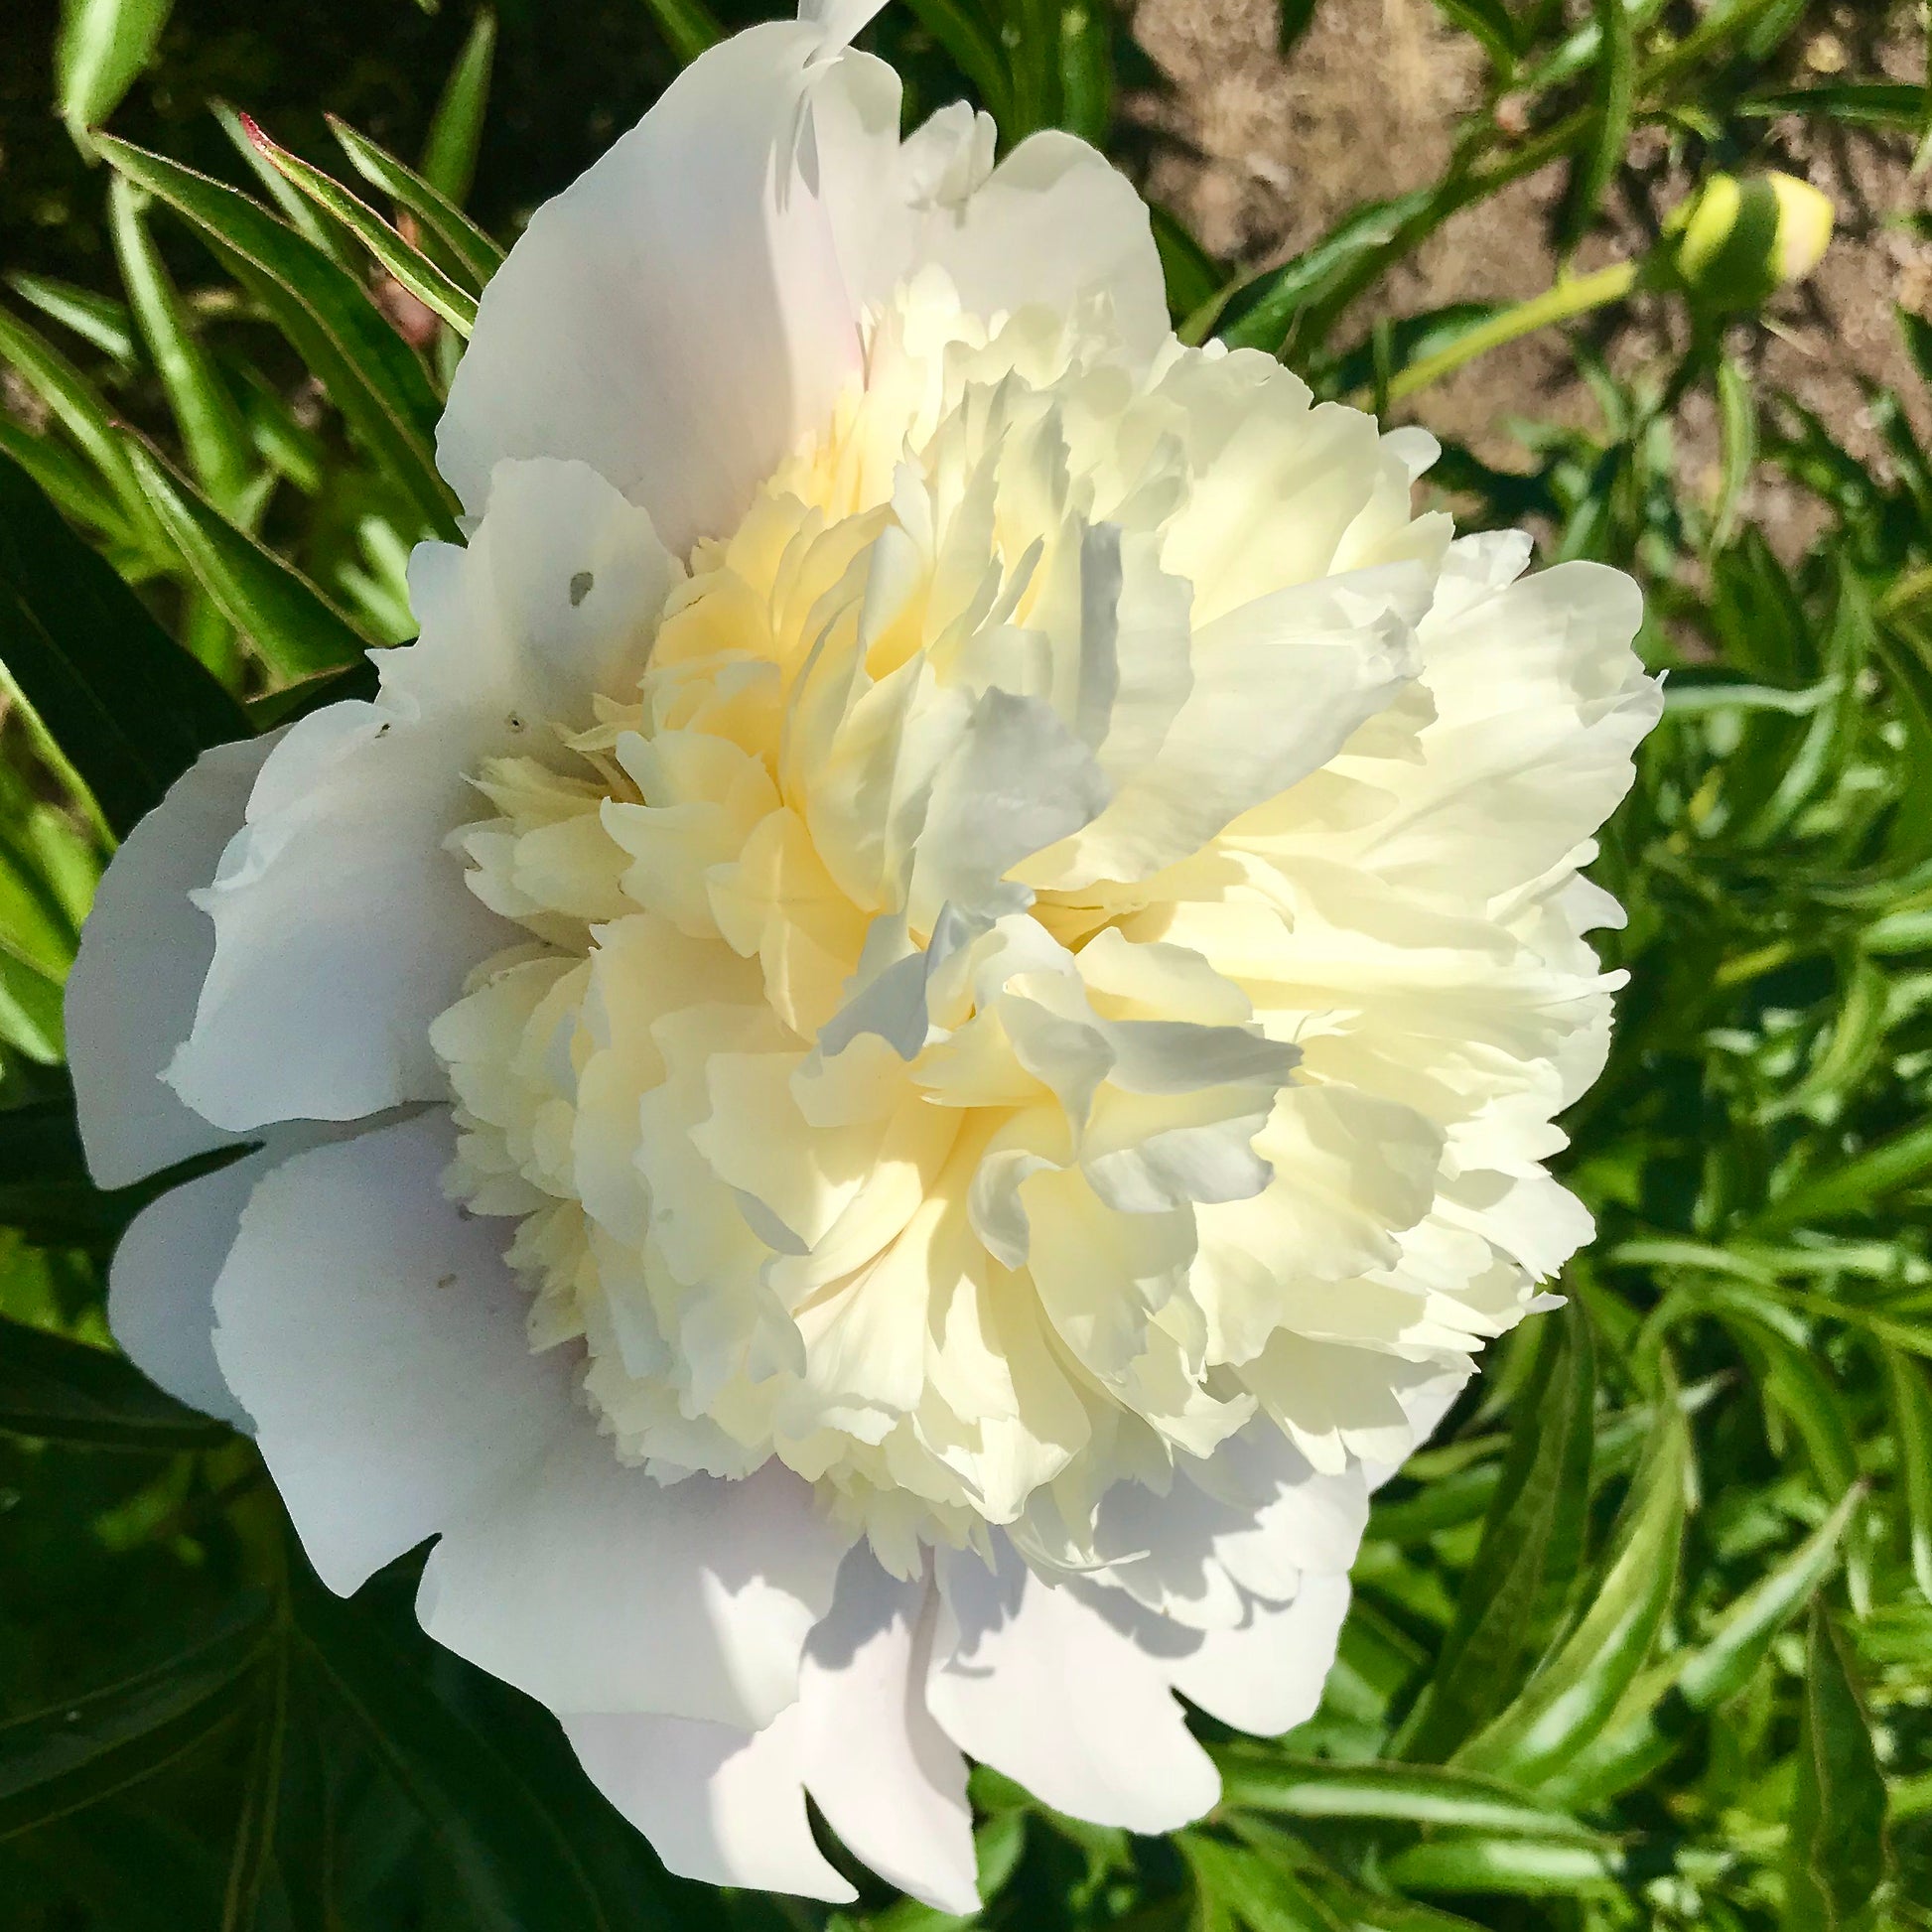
[859, 1096]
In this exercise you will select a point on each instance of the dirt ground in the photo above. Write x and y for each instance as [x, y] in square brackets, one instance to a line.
[1260, 155]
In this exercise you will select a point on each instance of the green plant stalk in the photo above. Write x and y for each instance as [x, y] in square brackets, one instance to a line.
[1575, 295]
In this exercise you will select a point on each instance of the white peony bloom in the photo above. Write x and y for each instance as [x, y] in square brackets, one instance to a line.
[916, 1038]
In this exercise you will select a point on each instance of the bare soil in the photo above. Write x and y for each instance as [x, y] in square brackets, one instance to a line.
[1260, 155]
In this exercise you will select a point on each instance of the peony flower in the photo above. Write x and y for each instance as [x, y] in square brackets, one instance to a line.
[916, 1040]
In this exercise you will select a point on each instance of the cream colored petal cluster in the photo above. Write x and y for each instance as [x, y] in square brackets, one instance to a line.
[1057, 954]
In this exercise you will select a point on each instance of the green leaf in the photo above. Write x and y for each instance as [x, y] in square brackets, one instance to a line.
[1853, 104]
[1193, 276]
[409, 266]
[1394, 1793]
[1613, 98]
[30, 1010]
[975, 51]
[329, 320]
[293, 701]
[472, 252]
[1292, 19]
[67, 1392]
[296, 208]
[456, 129]
[1262, 313]
[1578, 1688]
[1237, 1887]
[205, 412]
[103, 46]
[1527, 1869]
[1834, 1858]
[1664, 1704]
[1790, 1381]
[1720, 1668]
[1527, 1564]
[97, 318]
[515, 1868]
[1911, 1416]
[1087, 71]
[85, 1748]
[78, 490]
[1853, 1186]
[254, 1835]
[123, 703]
[296, 629]
[688, 26]
[1489, 21]
[78, 406]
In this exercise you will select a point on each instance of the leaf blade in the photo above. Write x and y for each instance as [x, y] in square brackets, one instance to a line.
[129, 708]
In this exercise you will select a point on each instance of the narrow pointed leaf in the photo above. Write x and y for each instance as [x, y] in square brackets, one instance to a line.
[1836, 1852]
[1911, 1411]
[1615, 98]
[1581, 1685]
[129, 708]
[261, 1801]
[69, 483]
[1087, 71]
[85, 1748]
[1396, 1793]
[1236, 1887]
[688, 26]
[964, 32]
[1665, 1703]
[103, 46]
[1525, 1869]
[296, 629]
[515, 1868]
[98, 319]
[473, 251]
[297, 210]
[67, 1392]
[1532, 1544]
[409, 266]
[1262, 313]
[77, 405]
[456, 130]
[205, 412]
[1490, 23]
[1853, 1186]
[329, 318]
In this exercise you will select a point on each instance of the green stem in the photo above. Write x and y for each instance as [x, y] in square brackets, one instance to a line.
[1574, 296]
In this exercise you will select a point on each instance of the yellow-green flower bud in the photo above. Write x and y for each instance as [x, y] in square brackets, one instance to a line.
[1736, 243]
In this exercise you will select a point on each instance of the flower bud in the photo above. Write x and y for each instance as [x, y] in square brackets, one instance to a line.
[1736, 243]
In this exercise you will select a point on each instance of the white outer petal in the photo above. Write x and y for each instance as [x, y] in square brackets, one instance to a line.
[1036, 1682]
[161, 1282]
[342, 926]
[143, 952]
[1265, 1676]
[376, 1338]
[592, 1587]
[722, 1806]
[889, 1781]
[677, 317]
